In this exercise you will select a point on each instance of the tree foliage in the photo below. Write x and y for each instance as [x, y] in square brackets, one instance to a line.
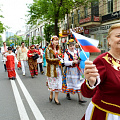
[53, 10]
[48, 31]
[2, 27]
[14, 39]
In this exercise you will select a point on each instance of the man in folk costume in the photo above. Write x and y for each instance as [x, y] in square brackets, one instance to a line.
[3, 51]
[32, 62]
[22, 56]
[40, 59]
[71, 78]
[10, 63]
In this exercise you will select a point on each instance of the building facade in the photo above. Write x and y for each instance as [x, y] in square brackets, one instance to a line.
[94, 21]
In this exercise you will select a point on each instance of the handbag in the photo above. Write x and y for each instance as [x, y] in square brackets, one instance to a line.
[36, 56]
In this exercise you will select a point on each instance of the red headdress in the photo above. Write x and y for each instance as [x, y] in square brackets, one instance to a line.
[32, 46]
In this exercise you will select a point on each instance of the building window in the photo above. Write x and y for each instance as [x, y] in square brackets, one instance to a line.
[110, 6]
[72, 18]
[86, 12]
[78, 16]
[95, 8]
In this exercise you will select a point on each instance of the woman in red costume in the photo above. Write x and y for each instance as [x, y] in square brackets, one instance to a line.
[10, 63]
[103, 81]
[32, 62]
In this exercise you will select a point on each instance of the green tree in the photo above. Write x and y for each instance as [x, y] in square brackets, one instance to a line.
[39, 39]
[1, 41]
[2, 26]
[53, 10]
[48, 31]
[14, 39]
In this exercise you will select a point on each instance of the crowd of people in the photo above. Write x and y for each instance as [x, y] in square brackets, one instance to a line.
[101, 81]
[33, 56]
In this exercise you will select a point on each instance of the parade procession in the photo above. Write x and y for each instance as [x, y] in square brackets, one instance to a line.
[60, 59]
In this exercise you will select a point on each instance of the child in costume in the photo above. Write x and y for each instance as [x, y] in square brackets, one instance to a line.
[10, 63]
[71, 78]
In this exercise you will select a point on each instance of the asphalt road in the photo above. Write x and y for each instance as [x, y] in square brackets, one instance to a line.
[28, 99]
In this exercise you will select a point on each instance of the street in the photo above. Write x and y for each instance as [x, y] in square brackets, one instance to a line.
[28, 99]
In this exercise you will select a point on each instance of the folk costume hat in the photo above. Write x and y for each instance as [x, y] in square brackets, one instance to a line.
[54, 37]
[32, 46]
[71, 41]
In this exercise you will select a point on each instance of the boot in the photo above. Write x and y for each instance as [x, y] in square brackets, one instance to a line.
[68, 96]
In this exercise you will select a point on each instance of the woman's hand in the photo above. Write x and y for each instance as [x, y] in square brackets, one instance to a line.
[90, 72]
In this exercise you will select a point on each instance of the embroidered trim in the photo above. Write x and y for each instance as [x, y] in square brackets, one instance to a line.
[107, 111]
[106, 116]
[114, 62]
[110, 104]
[92, 112]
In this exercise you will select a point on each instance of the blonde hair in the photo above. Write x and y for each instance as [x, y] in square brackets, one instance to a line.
[17, 47]
[117, 25]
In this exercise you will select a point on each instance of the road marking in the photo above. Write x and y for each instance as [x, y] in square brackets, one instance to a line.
[30, 101]
[20, 105]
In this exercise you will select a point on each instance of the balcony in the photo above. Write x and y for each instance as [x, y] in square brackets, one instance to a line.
[90, 20]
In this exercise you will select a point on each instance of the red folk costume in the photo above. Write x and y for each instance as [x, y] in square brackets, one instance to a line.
[10, 65]
[105, 104]
[32, 63]
[19, 63]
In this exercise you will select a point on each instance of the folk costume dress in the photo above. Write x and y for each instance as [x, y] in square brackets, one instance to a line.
[10, 64]
[40, 60]
[105, 104]
[53, 70]
[71, 79]
[32, 63]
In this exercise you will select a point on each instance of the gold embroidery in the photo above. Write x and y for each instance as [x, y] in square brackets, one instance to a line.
[106, 116]
[110, 104]
[107, 58]
[92, 112]
[114, 63]
[105, 110]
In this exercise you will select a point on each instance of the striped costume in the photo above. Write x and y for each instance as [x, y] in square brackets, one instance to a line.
[71, 79]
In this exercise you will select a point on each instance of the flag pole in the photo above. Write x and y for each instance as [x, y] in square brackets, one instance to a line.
[82, 49]
[80, 46]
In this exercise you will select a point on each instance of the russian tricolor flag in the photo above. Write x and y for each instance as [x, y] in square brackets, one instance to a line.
[87, 44]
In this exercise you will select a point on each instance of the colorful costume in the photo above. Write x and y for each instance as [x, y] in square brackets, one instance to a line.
[71, 79]
[32, 63]
[53, 70]
[105, 104]
[40, 60]
[10, 65]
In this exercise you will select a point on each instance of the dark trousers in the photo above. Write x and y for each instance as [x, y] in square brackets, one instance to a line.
[40, 65]
[5, 67]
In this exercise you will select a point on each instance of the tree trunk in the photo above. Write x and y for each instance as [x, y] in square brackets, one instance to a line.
[67, 22]
[56, 27]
